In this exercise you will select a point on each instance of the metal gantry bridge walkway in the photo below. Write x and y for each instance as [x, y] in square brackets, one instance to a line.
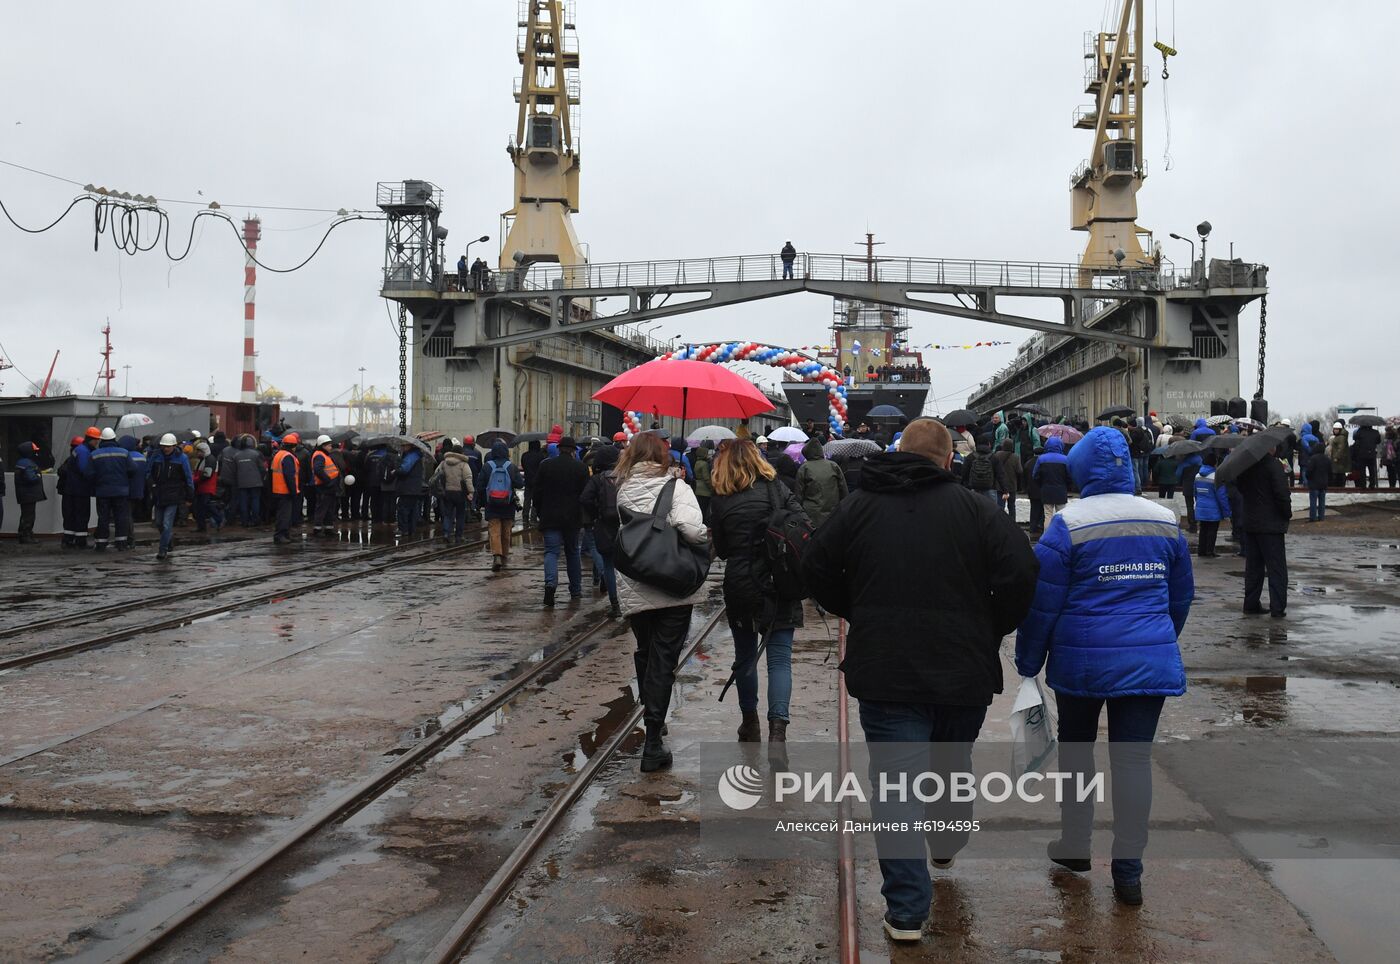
[574, 298]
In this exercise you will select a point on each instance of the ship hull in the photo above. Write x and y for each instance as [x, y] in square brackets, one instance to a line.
[809, 402]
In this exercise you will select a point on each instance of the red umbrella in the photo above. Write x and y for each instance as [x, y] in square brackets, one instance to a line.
[686, 389]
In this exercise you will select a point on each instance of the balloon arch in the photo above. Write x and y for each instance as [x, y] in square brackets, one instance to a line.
[747, 351]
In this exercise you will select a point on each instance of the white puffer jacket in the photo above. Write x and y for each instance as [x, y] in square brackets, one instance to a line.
[639, 493]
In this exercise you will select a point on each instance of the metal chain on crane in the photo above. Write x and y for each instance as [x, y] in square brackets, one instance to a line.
[403, 370]
[1263, 340]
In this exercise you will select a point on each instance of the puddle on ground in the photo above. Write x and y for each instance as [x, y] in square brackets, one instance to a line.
[1346, 890]
[1306, 703]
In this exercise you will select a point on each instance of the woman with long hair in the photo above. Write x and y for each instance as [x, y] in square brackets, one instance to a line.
[660, 621]
[746, 493]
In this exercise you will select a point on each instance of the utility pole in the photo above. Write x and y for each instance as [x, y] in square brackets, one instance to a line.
[362, 398]
[403, 369]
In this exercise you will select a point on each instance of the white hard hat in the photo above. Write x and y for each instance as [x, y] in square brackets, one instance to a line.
[1338, 424]
[322, 440]
[349, 480]
[196, 433]
[1166, 430]
[108, 434]
[761, 440]
[1284, 421]
[168, 439]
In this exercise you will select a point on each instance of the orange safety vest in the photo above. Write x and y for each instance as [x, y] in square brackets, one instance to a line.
[279, 481]
[327, 464]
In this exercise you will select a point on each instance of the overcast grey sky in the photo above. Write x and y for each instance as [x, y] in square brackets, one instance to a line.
[714, 128]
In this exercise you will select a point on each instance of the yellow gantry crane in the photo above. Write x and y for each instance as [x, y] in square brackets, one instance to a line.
[1103, 191]
[545, 149]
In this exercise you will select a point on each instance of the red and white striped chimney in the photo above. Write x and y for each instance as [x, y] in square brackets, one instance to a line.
[252, 231]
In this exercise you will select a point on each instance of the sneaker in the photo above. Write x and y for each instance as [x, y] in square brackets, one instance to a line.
[903, 930]
[162, 554]
[1130, 894]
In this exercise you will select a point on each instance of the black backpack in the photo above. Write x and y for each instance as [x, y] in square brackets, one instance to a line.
[979, 473]
[778, 549]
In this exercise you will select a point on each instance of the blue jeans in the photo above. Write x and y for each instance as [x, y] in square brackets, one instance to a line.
[912, 738]
[249, 506]
[590, 546]
[454, 517]
[408, 514]
[1317, 503]
[567, 541]
[165, 522]
[778, 652]
[787, 270]
[1132, 723]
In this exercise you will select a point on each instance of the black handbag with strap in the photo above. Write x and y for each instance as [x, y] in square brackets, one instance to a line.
[650, 550]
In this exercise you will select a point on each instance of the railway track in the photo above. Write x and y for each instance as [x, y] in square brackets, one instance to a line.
[276, 595]
[373, 788]
[459, 936]
[32, 626]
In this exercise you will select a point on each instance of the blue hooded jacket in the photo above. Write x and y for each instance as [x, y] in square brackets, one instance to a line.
[136, 478]
[1212, 501]
[1202, 431]
[1115, 585]
[1052, 472]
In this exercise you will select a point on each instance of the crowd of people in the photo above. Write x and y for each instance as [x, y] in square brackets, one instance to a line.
[867, 539]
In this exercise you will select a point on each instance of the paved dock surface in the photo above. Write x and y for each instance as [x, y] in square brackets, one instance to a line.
[137, 774]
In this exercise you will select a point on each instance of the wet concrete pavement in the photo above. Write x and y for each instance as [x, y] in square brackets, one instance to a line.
[129, 773]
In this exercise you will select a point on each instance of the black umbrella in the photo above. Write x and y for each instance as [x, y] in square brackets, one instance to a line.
[1184, 447]
[884, 411]
[1252, 450]
[1115, 411]
[1029, 408]
[959, 418]
[1372, 420]
[1224, 441]
[524, 437]
[489, 436]
[340, 438]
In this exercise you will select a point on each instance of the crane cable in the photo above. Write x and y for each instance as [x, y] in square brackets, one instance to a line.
[1167, 50]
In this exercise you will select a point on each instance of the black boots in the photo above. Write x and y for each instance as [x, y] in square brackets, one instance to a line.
[496, 563]
[750, 730]
[549, 597]
[777, 731]
[655, 754]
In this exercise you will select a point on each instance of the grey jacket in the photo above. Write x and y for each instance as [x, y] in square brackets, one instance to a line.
[249, 468]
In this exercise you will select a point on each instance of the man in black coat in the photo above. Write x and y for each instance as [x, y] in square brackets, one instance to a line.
[1365, 443]
[558, 484]
[529, 466]
[1267, 510]
[930, 577]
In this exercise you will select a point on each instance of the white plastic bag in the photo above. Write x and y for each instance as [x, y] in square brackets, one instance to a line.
[1032, 728]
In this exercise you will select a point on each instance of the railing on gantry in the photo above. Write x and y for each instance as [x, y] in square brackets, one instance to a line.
[832, 267]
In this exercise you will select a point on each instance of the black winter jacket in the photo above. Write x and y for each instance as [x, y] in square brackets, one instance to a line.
[557, 486]
[1319, 470]
[599, 501]
[1264, 490]
[1365, 443]
[930, 576]
[735, 524]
